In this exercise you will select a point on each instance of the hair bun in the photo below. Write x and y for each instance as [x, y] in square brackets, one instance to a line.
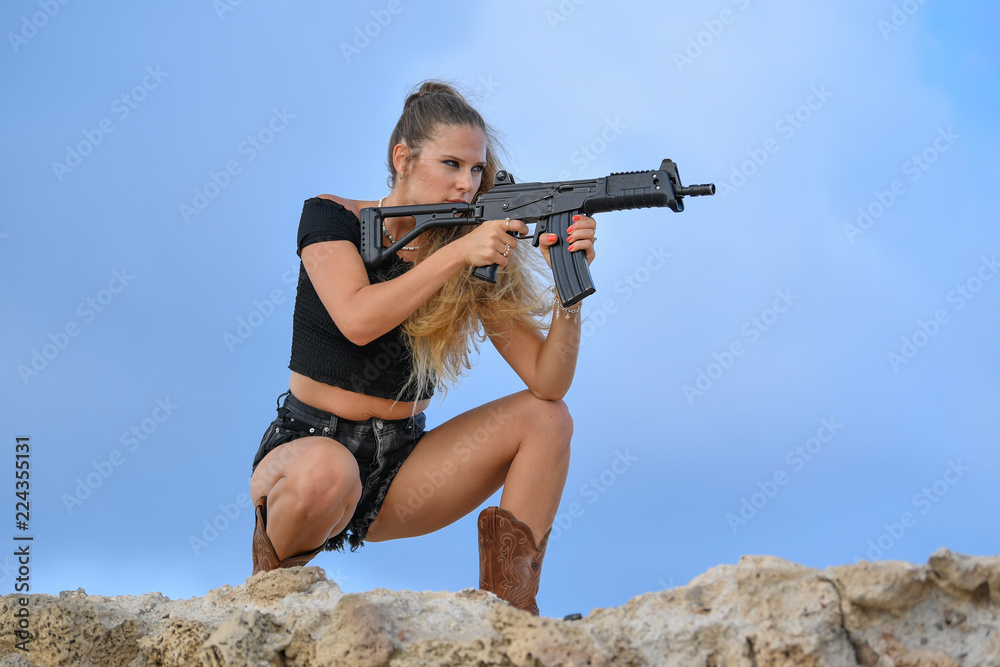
[430, 87]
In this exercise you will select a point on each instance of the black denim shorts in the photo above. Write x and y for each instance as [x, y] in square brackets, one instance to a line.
[379, 445]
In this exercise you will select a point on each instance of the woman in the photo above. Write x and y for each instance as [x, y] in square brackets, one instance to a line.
[369, 347]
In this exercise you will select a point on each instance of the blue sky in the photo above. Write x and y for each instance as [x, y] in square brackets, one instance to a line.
[804, 365]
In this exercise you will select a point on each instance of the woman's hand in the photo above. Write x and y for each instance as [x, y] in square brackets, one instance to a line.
[489, 243]
[582, 235]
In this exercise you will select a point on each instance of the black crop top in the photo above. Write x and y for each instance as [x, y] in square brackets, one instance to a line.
[319, 349]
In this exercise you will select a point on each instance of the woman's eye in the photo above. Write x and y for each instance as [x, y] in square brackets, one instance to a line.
[476, 169]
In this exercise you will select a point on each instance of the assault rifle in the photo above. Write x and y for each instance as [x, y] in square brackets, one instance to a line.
[549, 206]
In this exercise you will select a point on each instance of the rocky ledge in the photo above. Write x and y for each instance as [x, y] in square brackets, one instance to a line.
[764, 611]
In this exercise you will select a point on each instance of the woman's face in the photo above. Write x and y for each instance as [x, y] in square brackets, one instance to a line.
[449, 167]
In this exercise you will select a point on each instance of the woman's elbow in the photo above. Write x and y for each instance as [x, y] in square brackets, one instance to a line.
[548, 393]
[357, 332]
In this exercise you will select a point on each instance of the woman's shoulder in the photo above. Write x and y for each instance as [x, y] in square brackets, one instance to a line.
[352, 205]
[330, 218]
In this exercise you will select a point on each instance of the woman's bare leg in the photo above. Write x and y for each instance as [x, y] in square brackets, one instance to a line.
[519, 441]
[312, 486]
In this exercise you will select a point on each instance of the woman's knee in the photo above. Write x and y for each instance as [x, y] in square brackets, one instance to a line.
[548, 428]
[554, 416]
[319, 476]
[326, 474]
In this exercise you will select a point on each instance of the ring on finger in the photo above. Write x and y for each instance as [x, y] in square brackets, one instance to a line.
[506, 249]
[508, 224]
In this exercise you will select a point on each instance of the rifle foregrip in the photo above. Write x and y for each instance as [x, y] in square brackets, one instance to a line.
[570, 269]
[634, 189]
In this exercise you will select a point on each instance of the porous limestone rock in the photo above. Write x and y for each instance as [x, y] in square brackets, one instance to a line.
[761, 612]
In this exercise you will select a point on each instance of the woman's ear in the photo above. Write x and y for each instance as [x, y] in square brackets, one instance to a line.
[400, 156]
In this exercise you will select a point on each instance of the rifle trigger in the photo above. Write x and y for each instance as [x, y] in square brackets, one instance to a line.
[539, 229]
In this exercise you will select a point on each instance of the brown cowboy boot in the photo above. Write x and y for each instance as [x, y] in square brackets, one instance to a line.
[510, 565]
[264, 557]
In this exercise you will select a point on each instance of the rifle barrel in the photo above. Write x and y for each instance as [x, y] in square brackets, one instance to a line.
[696, 190]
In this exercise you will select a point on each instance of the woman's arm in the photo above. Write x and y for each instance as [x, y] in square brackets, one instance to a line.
[547, 365]
[363, 311]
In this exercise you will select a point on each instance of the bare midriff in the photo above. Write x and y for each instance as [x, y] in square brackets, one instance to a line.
[350, 404]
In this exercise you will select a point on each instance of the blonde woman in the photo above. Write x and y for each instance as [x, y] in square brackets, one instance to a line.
[348, 453]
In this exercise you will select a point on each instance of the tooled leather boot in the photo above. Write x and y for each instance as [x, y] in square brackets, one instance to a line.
[510, 565]
[264, 557]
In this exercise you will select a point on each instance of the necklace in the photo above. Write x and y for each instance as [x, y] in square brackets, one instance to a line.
[385, 232]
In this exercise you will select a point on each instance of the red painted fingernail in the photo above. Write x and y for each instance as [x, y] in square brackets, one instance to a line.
[569, 230]
[553, 238]
[576, 218]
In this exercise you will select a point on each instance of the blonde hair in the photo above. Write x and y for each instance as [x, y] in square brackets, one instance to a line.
[443, 332]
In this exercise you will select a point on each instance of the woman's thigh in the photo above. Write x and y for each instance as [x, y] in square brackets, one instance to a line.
[459, 464]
